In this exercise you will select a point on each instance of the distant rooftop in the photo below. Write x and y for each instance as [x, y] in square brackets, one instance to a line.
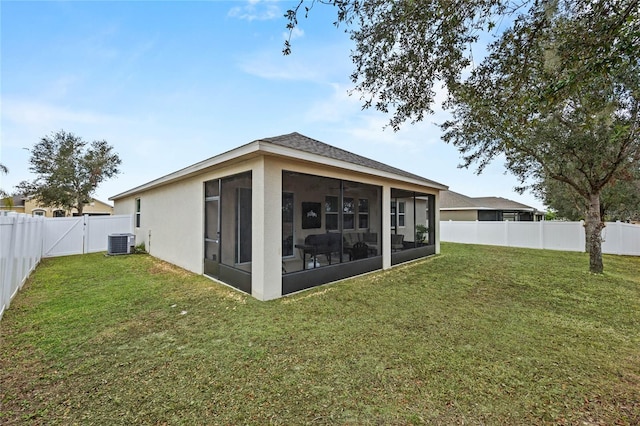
[450, 200]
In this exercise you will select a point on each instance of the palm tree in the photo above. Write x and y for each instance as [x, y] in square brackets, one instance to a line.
[4, 170]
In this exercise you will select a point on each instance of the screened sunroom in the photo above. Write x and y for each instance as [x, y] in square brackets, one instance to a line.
[283, 214]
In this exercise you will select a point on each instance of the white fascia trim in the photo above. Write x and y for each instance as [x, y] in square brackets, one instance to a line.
[269, 148]
[236, 153]
[510, 209]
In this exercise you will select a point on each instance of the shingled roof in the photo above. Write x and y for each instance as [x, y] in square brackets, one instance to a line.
[452, 200]
[292, 141]
[306, 144]
[502, 203]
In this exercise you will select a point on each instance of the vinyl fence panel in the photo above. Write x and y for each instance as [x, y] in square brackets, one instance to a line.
[459, 232]
[523, 234]
[618, 238]
[565, 236]
[21, 239]
[495, 234]
[621, 238]
[64, 236]
[98, 228]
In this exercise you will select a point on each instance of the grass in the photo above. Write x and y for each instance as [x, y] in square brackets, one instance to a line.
[477, 335]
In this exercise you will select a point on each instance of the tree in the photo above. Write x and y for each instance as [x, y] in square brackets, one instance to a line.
[69, 170]
[547, 125]
[3, 170]
[556, 94]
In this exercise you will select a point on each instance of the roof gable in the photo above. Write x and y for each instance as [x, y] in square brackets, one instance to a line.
[306, 144]
[287, 145]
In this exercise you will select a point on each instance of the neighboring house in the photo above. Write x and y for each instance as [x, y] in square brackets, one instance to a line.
[283, 214]
[21, 204]
[455, 206]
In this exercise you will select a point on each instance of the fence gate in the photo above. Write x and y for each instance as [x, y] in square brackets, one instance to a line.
[64, 236]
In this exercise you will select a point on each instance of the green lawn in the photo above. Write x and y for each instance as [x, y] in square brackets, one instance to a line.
[477, 335]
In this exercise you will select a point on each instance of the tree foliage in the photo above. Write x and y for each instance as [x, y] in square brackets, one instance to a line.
[69, 170]
[621, 201]
[405, 49]
[3, 170]
[556, 95]
[553, 119]
[618, 201]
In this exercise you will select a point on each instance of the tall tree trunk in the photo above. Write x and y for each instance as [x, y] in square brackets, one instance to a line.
[79, 206]
[593, 226]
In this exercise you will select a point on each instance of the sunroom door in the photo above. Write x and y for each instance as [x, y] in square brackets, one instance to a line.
[212, 236]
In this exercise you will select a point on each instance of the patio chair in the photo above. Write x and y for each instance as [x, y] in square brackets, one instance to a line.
[360, 250]
[397, 242]
[371, 238]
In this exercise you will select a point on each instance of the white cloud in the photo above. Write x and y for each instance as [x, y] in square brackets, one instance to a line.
[60, 87]
[320, 63]
[334, 108]
[275, 66]
[295, 33]
[345, 111]
[256, 10]
[41, 116]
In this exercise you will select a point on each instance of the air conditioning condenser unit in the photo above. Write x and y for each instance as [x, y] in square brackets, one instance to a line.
[121, 244]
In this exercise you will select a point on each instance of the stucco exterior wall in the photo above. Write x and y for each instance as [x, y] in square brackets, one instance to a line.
[16, 209]
[266, 274]
[417, 216]
[172, 217]
[459, 215]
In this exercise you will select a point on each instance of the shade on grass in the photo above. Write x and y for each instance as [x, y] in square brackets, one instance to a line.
[477, 335]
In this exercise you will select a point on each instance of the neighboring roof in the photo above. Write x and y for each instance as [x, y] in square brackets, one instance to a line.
[502, 203]
[450, 200]
[95, 200]
[292, 145]
[18, 200]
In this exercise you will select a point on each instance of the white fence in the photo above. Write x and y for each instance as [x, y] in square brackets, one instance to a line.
[86, 234]
[21, 239]
[25, 239]
[618, 238]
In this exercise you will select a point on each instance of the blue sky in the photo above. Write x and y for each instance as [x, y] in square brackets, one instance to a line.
[171, 83]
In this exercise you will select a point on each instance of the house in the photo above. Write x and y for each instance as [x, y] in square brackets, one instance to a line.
[457, 207]
[22, 204]
[282, 214]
